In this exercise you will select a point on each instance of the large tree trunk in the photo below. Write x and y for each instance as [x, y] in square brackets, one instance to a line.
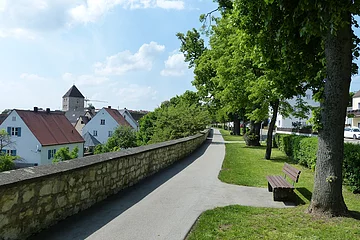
[252, 138]
[275, 107]
[327, 196]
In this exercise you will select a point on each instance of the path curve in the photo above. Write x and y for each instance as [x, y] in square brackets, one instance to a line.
[166, 205]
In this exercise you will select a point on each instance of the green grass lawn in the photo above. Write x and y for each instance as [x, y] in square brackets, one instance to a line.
[227, 137]
[246, 166]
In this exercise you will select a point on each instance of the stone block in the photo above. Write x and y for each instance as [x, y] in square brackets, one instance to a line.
[3, 220]
[9, 200]
[46, 189]
[28, 195]
[85, 194]
[61, 201]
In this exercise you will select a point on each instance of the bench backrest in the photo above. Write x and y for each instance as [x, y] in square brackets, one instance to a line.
[291, 172]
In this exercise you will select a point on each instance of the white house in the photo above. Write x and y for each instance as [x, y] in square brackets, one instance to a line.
[287, 122]
[354, 112]
[129, 118]
[104, 123]
[37, 135]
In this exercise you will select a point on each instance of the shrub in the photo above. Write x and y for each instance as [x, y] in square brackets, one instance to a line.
[303, 150]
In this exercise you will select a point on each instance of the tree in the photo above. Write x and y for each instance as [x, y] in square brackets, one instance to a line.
[5, 139]
[64, 154]
[122, 138]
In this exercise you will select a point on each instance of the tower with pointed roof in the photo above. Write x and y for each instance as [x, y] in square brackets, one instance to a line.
[73, 100]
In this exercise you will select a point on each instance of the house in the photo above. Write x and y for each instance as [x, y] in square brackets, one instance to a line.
[353, 114]
[137, 115]
[90, 142]
[104, 123]
[83, 120]
[288, 122]
[73, 104]
[129, 118]
[37, 135]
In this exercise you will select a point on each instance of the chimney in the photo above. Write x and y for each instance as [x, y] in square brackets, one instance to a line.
[36, 109]
[109, 107]
[47, 110]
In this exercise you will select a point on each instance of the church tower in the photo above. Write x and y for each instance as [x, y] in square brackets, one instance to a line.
[73, 100]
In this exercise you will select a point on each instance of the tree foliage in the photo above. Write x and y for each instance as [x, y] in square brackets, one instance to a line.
[64, 154]
[182, 116]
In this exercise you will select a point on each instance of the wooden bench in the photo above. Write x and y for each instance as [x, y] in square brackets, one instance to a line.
[282, 189]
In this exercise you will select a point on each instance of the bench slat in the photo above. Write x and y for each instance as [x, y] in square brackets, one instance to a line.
[291, 172]
[278, 182]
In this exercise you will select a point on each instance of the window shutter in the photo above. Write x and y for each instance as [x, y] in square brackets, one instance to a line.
[9, 130]
[13, 152]
[19, 132]
[3, 151]
[49, 154]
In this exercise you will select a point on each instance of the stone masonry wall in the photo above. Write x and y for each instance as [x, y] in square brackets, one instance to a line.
[34, 198]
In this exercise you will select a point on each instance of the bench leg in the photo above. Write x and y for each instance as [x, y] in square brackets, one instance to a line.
[270, 187]
[283, 194]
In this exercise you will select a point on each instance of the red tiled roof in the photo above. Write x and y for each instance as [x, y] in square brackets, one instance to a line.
[51, 128]
[117, 116]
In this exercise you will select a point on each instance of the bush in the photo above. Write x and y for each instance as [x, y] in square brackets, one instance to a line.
[303, 150]
[6, 162]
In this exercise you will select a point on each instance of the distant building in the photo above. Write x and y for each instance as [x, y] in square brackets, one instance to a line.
[83, 120]
[129, 118]
[104, 123]
[288, 122]
[73, 104]
[353, 114]
[37, 135]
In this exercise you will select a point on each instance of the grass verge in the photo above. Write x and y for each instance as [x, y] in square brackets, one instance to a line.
[228, 137]
[246, 166]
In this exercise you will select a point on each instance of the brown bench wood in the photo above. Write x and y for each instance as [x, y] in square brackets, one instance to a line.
[281, 188]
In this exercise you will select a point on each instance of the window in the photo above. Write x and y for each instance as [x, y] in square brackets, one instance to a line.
[308, 96]
[51, 153]
[14, 131]
[9, 152]
[94, 133]
[13, 118]
[110, 133]
[102, 122]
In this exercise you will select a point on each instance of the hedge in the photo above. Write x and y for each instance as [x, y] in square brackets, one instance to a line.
[303, 149]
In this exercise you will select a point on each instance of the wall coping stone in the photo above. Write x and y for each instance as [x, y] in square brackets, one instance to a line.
[13, 177]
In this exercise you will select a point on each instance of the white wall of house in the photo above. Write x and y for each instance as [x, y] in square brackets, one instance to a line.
[287, 122]
[356, 103]
[26, 145]
[130, 119]
[102, 131]
[45, 151]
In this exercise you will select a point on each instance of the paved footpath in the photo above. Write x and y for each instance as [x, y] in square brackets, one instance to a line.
[166, 205]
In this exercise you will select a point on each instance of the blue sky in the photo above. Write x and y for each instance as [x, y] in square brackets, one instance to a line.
[124, 52]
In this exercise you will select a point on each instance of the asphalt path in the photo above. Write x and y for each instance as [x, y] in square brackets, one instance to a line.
[166, 205]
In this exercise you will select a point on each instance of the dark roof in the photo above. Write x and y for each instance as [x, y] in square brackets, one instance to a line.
[3, 117]
[357, 94]
[73, 116]
[90, 140]
[51, 128]
[73, 92]
[114, 113]
[137, 114]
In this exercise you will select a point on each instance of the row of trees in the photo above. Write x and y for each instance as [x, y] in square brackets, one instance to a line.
[263, 52]
[179, 117]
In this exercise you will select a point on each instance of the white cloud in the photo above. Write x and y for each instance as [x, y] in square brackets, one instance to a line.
[175, 66]
[134, 93]
[166, 4]
[17, 33]
[49, 15]
[125, 61]
[84, 80]
[92, 10]
[32, 77]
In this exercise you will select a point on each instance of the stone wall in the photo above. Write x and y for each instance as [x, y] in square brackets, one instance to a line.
[34, 198]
